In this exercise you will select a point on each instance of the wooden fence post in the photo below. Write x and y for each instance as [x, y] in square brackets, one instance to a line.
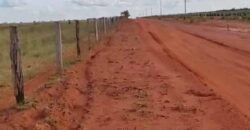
[16, 65]
[59, 60]
[96, 30]
[108, 20]
[89, 33]
[104, 25]
[78, 40]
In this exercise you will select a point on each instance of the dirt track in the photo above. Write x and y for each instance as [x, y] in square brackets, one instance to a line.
[149, 75]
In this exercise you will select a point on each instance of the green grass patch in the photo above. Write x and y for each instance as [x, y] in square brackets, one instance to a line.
[37, 46]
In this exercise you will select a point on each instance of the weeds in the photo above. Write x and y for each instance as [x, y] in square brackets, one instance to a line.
[29, 103]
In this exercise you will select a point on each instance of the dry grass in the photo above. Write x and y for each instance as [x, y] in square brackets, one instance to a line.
[37, 46]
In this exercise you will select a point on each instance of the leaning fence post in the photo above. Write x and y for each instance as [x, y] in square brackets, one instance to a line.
[78, 40]
[59, 60]
[96, 30]
[16, 65]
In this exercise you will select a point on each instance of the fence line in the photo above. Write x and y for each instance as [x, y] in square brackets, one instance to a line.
[15, 50]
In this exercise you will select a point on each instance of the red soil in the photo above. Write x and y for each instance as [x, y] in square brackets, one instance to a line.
[149, 75]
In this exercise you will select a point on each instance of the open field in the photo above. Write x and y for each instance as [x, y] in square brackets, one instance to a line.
[38, 46]
[149, 75]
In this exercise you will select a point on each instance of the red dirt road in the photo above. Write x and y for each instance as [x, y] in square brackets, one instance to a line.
[149, 75]
[219, 58]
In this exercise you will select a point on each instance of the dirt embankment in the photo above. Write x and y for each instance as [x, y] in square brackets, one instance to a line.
[144, 77]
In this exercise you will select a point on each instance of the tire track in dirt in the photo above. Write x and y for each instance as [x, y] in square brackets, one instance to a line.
[243, 52]
[173, 57]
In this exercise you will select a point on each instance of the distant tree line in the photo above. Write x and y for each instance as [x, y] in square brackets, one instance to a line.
[243, 13]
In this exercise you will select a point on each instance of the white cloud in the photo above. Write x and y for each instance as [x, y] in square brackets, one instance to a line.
[124, 3]
[92, 2]
[12, 3]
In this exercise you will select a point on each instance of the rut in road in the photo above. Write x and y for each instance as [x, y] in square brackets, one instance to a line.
[218, 43]
[138, 86]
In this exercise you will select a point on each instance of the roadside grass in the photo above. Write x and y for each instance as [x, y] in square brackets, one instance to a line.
[37, 46]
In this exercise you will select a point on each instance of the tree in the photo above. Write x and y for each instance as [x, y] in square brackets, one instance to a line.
[125, 14]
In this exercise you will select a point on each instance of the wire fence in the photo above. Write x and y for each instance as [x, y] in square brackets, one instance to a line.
[37, 44]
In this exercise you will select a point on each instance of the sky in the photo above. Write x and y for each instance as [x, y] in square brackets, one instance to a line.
[47, 10]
